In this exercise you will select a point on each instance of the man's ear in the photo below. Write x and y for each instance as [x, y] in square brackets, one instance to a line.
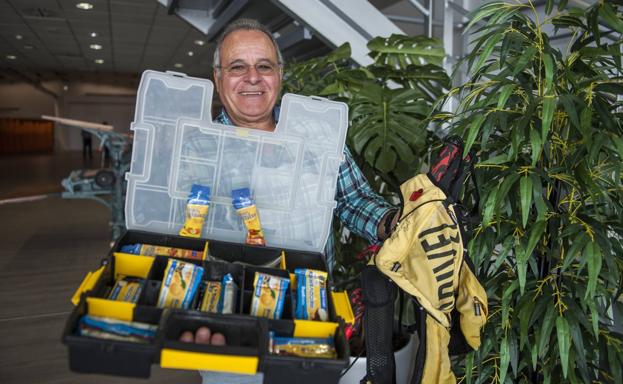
[216, 81]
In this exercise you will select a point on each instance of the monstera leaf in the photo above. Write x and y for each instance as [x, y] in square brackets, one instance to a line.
[311, 77]
[386, 125]
[399, 51]
[432, 80]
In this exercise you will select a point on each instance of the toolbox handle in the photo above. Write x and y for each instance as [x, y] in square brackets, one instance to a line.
[87, 284]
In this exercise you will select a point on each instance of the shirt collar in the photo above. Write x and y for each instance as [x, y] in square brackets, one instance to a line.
[223, 117]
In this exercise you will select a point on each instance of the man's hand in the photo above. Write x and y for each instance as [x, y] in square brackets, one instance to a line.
[203, 336]
[388, 223]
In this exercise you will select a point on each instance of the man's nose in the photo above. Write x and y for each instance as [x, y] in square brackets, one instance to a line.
[252, 75]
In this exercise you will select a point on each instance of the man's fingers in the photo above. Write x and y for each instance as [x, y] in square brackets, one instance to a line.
[218, 339]
[187, 337]
[202, 336]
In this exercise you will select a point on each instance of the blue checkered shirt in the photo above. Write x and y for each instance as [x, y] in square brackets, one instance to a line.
[358, 206]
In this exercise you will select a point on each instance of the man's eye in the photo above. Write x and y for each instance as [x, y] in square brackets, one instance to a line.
[264, 68]
[237, 68]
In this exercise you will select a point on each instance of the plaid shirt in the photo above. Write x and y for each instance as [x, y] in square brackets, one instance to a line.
[358, 206]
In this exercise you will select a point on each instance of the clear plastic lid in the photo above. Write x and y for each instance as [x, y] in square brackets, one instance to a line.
[291, 172]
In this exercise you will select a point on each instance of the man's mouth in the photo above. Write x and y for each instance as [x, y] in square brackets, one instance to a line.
[256, 93]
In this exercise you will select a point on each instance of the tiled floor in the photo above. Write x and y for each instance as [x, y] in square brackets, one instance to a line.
[47, 247]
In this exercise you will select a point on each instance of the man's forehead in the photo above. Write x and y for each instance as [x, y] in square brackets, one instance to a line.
[243, 43]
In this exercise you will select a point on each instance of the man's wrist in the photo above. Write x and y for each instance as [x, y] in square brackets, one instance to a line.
[388, 223]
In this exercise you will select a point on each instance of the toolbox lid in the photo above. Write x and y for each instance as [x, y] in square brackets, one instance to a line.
[291, 172]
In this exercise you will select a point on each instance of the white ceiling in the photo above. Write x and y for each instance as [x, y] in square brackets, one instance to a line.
[134, 34]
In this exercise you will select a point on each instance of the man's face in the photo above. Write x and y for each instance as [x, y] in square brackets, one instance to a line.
[248, 98]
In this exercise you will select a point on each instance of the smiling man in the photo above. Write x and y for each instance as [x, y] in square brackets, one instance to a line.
[248, 70]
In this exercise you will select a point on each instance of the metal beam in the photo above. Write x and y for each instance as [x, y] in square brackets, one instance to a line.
[288, 40]
[428, 14]
[337, 22]
[228, 14]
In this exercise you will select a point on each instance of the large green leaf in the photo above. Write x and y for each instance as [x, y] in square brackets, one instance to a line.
[398, 51]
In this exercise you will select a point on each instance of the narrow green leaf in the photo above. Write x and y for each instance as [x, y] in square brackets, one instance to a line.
[469, 367]
[537, 194]
[489, 208]
[525, 191]
[504, 358]
[569, 106]
[473, 132]
[592, 253]
[524, 59]
[524, 322]
[549, 73]
[536, 231]
[514, 354]
[505, 92]
[549, 106]
[536, 144]
[506, 297]
[590, 303]
[534, 354]
[610, 16]
[564, 342]
[549, 6]
[573, 253]
[546, 330]
[586, 118]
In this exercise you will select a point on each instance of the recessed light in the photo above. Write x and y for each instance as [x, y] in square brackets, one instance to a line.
[97, 47]
[93, 34]
[200, 42]
[18, 37]
[190, 53]
[99, 61]
[11, 57]
[178, 65]
[65, 87]
[84, 6]
[28, 46]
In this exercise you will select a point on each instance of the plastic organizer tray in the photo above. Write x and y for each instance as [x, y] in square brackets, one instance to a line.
[246, 351]
[292, 172]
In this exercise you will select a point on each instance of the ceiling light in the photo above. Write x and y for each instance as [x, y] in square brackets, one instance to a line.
[65, 88]
[28, 46]
[97, 47]
[11, 57]
[200, 42]
[18, 37]
[93, 34]
[84, 6]
[190, 53]
[178, 65]
[99, 61]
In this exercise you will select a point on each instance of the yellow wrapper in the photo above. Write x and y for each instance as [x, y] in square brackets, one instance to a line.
[269, 294]
[196, 211]
[211, 297]
[126, 289]
[195, 217]
[179, 284]
[251, 220]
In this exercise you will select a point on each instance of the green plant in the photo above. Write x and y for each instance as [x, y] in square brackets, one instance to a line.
[547, 127]
[389, 101]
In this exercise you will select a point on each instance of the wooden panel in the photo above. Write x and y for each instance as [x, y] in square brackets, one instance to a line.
[26, 136]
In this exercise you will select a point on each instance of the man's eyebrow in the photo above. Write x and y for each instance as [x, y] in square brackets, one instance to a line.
[261, 60]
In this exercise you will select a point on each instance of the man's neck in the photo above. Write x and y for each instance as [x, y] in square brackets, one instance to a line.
[266, 125]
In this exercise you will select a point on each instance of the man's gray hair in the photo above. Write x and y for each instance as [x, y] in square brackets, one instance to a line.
[247, 25]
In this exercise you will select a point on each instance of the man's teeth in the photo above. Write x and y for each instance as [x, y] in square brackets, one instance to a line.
[250, 93]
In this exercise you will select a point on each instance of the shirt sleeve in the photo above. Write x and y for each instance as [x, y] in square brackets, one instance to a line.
[358, 206]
